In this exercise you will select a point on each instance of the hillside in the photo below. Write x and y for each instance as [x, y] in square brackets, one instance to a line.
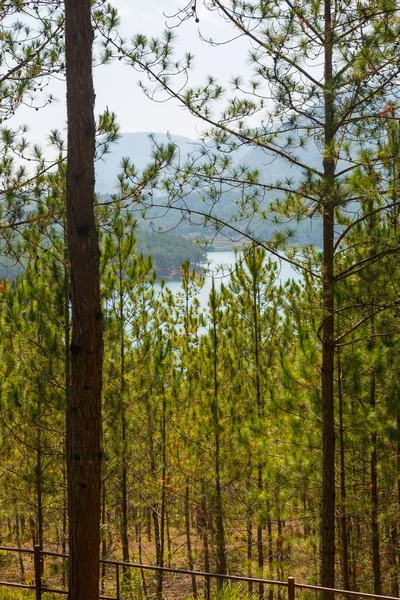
[168, 251]
[138, 147]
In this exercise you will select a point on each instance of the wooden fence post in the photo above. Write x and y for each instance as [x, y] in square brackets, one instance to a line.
[37, 562]
[117, 580]
[290, 588]
[207, 588]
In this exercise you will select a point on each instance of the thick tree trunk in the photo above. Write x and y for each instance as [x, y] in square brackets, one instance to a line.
[84, 409]
[328, 326]
[328, 424]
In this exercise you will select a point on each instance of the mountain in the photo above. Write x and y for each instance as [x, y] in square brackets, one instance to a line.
[137, 147]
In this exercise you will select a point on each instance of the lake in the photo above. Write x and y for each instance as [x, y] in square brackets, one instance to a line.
[220, 264]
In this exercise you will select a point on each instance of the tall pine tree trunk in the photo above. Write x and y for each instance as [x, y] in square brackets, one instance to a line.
[84, 409]
[124, 441]
[206, 549]
[67, 383]
[270, 550]
[103, 535]
[39, 482]
[343, 509]
[189, 538]
[328, 325]
[376, 562]
[249, 529]
[19, 545]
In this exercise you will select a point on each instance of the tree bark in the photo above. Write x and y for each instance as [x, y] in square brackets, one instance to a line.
[188, 538]
[375, 541]
[124, 441]
[84, 409]
[328, 325]
[249, 528]
[221, 565]
[343, 508]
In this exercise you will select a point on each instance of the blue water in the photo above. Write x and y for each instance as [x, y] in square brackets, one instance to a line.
[220, 265]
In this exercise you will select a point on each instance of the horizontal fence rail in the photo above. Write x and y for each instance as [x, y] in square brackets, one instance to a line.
[38, 555]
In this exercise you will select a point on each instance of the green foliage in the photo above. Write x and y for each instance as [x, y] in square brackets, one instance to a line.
[212, 416]
[19, 594]
[168, 251]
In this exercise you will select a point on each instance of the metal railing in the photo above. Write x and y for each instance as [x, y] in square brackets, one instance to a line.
[290, 584]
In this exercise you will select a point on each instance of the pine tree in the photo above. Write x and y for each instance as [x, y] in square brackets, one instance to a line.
[333, 108]
[84, 410]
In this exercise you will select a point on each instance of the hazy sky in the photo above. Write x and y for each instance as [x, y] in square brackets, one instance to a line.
[117, 85]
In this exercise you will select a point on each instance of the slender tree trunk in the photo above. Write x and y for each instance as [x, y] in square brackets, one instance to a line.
[279, 557]
[260, 415]
[19, 545]
[169, 540]
[143, 578]
[149, 512]
[219, 517]
[124, 502]
[163, 474]
[395, 526]
[206, 550]
[157, 541]
[306, 524]
[270, 550]
[357, 545]
[376, 562]
[189, 538]
[84, 409]
[249, 544]
[67, 361]
[124, 441]
[39, 482]
[393, 544]
[260, 546]
[398, 455]
[103, 535]
[343, 509]
[157, 512]
[159, 532]
[64, 528]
